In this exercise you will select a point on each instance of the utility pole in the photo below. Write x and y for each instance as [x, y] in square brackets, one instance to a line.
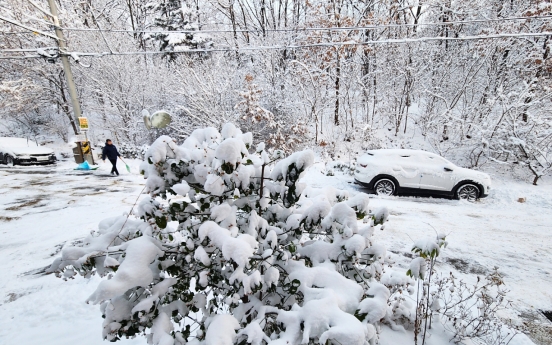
[65, 60]
[62, 43]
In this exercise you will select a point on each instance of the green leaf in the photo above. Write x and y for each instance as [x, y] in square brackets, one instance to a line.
[360, 316]
[292, 248]
[161, 222]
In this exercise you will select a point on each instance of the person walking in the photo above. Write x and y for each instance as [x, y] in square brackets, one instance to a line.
[110, 151]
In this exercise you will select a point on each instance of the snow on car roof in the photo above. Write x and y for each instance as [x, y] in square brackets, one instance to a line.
[399, 152]
[398, 155]
[17, 142]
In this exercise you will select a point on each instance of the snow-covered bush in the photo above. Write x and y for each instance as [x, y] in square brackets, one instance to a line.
[133, 151]
[466, 311]
[422, 269]
[472, 311]
[347, 168]
[229, 247]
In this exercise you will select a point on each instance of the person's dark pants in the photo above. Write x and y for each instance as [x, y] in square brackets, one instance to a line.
[114, 163]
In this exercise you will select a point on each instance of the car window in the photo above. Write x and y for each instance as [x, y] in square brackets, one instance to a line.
[434, 160]
[406, 161]
[429, 164]
[443, 161]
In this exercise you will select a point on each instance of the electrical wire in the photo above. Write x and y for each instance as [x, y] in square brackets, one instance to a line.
[27, 50]
[333, 28]
[318, 45]
[20, 57]
[284, 47]
[16, 33]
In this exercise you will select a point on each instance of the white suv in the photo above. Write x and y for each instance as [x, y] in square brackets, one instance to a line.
[389, 172]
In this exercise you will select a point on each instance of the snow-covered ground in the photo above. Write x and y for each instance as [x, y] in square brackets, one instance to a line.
[41, 208]
[497, 231]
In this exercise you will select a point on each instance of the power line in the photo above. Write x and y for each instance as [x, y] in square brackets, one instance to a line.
[279, 47]
[13, 22]
[16, 32]
[332, 28]
[20, 57]
[27, 50]
[318, 45]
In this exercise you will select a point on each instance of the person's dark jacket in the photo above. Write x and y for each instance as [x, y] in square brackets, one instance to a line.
[110, 151]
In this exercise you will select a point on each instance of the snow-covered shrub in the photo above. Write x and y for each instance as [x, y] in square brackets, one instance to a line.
[347, 168]
[422, 269]
[346, 144]
[229, 247]
[471, 311]
[466, 311]
[132, 151]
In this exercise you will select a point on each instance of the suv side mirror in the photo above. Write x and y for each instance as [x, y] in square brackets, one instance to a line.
[448, 169]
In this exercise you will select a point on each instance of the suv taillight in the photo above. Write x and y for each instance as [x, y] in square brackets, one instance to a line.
[363, 165]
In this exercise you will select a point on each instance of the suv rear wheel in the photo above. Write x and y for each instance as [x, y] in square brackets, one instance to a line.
[468, 191]
[384, 187]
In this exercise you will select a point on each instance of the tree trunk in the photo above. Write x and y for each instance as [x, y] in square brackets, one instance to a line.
[337, 85]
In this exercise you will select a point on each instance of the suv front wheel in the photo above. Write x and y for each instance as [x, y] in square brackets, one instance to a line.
[468, 191]
[9, 160]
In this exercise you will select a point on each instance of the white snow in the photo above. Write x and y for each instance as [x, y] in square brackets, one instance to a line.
[418, 268]
[239, 249]
[202, 256]
[231, 151]
[222, 330]
[254, 333]
[134, 271]
[181, 188]
[22, 146]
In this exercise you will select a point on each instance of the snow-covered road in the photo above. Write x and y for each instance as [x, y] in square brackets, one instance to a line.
[41, 208]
